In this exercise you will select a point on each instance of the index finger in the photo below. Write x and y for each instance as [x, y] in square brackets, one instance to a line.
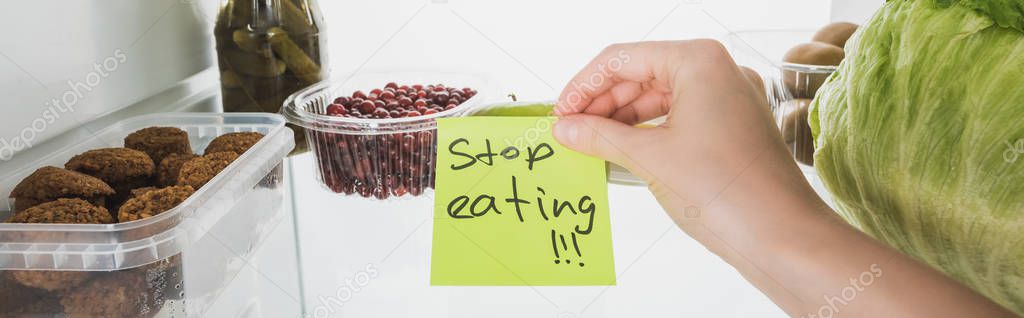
[634, 62]
[656, 63]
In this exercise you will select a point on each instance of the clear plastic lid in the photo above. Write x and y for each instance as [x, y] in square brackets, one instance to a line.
[789, 87]
[104, 247]
[307, 108]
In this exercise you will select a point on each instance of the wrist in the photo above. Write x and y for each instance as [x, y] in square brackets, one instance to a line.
[766, 212]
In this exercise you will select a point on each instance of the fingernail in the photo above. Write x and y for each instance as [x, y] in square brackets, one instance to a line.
[566, 131]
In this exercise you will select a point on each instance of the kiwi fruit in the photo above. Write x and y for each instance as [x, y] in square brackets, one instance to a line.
[796, 131]
[815, 53]
[795, 119]
[836, 33]
[804, 83]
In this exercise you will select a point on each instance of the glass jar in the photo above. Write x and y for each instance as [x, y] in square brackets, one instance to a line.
[267, 50]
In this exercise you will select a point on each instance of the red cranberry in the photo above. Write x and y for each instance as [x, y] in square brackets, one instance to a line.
[359, 94]
[430, 111]
[341, 100]
[379, 103]
[380, 112]
[375, 91]
[391, 85]
[413, 113]
[336, 110]
[404, 101]
[387, 95]
[441, 97]
[420, 102]
[426, 139]
[367, 107]
[399, 190]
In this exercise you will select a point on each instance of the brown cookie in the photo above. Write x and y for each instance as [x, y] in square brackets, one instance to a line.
[237, 142]
[140, 191]
[113, 295]
[122, 168]
[167, 171]
[113, 165]
[44, 305]
[198, 171]
[159, 142]
[50, 183]
[14, 297]
[61, 211]
[153, 202]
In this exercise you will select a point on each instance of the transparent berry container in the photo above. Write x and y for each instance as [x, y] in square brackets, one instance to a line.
[375, 158]
[179, 263]
[789, 87]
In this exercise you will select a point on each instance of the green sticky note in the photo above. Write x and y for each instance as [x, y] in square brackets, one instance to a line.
[560, 233]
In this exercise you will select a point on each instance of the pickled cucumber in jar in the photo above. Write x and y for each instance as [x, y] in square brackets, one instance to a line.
[268, 50]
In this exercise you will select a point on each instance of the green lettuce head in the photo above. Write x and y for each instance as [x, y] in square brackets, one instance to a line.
[920, 137]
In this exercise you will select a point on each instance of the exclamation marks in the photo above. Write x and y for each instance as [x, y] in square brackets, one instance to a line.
[576, 246]
[554, 246]
[564, 247]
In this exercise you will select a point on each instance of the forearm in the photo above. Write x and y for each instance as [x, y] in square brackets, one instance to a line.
[796, 250]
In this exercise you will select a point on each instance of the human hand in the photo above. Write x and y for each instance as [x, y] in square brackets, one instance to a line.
[719, 153]
[719, 137]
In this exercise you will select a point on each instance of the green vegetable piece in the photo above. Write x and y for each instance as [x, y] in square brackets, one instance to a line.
[251, 64]
[301, 65]
[296, 20]
[917, 136]
[533, 110]
[230, 79]
[252, 42]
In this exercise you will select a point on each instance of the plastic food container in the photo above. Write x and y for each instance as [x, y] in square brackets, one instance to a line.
[374, 158]
[175, 264]
[789, 87]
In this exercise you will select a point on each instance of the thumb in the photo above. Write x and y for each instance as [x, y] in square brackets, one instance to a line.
[600, 137]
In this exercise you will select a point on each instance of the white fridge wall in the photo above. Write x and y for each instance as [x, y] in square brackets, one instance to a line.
[92, 57]
[856, 11]
[532, 47]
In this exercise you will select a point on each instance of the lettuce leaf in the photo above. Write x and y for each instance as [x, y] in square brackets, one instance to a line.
[918, 136]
